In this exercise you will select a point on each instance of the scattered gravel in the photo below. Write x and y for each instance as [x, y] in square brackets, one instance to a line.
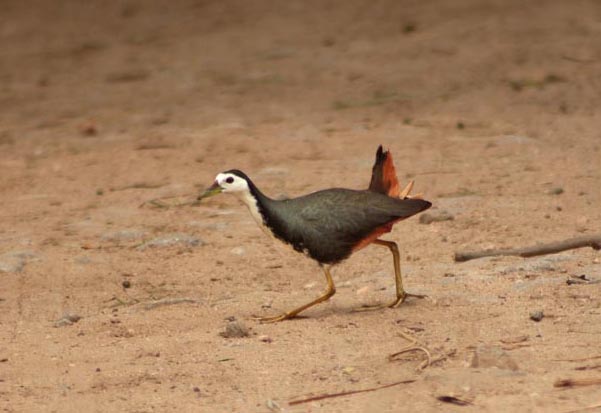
[170, 240]
[435, 216]
[537, 315]
[67, 320]
[235, 329]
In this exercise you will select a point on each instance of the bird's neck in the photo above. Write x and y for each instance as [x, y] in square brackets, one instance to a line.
[267, 214]
[257, 203]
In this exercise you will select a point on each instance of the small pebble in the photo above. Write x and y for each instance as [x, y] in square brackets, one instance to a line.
[126, 284]
[273, 406]
[582, 224]
[556, 191]
[234, 329]
[238, 251]
[363, 290]
[170, 240]
[88, 128]
[537, 315]
[67, 320]
[430, 217]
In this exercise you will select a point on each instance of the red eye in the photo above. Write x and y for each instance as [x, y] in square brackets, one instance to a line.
[229, 180]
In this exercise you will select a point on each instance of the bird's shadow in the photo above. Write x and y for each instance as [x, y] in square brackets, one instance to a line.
[350, 309]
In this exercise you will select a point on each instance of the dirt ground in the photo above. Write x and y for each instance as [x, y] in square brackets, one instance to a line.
[110, 304]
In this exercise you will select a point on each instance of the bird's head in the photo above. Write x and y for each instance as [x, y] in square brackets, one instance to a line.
[232, 181]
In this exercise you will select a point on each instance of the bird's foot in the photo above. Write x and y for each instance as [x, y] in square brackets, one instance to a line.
[416, 295]
[274, 319]
[395, 304]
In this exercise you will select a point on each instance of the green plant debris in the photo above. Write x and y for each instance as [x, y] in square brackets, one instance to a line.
[378, 98]
[521, 84]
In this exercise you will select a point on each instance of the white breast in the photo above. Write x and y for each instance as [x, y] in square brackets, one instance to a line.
[251, 203]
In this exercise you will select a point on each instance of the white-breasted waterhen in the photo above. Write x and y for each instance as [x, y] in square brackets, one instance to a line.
[330, 225]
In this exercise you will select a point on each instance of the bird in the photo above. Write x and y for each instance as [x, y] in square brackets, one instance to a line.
[330, 225]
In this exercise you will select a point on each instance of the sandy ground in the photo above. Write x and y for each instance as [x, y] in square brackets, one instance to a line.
[492, 107]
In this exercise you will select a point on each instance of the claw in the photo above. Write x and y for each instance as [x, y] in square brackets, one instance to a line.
[272, 319]
[292, 314]
[395, 304]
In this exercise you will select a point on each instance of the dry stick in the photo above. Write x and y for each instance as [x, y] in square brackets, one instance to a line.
[454, 400]
[593, 367]
[347, 393]
[169, 301]
[413, 347]
[579, 359]
[139, 185]
[577, 382]
[423, 364]
[593, 241]
[443, 357]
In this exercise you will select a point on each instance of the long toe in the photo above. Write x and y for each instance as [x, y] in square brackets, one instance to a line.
[273, 319]
[415, 295]
[370, 307]
[399, 300]
[395, 304]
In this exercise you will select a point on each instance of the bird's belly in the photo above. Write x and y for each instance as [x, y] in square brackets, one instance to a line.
[374, 235]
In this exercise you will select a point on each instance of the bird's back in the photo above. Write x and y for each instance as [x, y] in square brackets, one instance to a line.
[329, 224]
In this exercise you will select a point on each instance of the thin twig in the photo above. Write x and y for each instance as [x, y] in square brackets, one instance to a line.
[577, 59]
[593, 367]
[138, 185]
[581, 279]
[169, 301]
[163, 203]
[455, 400]
[412, 347]
[579, 359]
[443, 357]
[593, 241]
[347, 393]
[118, 302]
[577, 382]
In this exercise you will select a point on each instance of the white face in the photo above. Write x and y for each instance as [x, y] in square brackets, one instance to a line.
[231, 183]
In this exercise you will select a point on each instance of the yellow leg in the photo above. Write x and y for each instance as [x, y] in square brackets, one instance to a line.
[401, 294]
[293, 313]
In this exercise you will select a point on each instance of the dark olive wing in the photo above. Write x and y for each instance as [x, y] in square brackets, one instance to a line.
[330, 223]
